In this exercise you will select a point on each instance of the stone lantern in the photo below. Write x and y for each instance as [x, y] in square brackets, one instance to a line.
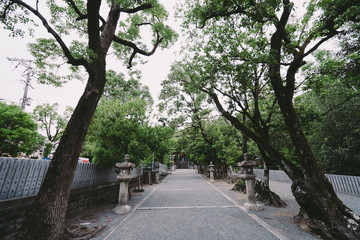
[124, 178]
[211, 170]
[249, 177]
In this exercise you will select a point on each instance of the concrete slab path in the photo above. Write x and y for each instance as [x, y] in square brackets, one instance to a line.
[187, 206]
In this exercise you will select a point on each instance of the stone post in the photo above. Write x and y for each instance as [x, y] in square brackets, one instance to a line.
[249, 178]
[139, 180]
[171, 162]
[124, 178]
[149, 176]
[157, 172]
[211, 170]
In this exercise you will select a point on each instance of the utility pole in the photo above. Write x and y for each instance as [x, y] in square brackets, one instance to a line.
[29, 71]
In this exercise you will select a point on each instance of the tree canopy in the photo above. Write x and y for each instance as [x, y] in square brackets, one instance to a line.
[51, 121]
[18, 131]
[261, 65]
[80, 36]
[121, 125]
[273, 40]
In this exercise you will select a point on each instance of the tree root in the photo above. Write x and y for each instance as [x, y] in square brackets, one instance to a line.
[78, 232]
[239, 186]
[315, 227]
[265, 195]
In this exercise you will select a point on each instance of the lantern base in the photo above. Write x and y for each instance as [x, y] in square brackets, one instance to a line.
[253, 206]
[122, 209]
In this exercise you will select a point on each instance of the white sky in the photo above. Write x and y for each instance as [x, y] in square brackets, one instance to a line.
[11, 79]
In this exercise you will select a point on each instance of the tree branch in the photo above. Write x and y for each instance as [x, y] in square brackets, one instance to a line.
[137, 9]
[220, 14]
[316, 46]
[136, 49]
[110, 28]
[76, 9]
[281, 160]
[81, 15]
[334, 107]
[65, 49]
[7, 7]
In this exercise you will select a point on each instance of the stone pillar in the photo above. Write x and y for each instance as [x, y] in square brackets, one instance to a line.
[171, 162]
[124, 178]
[249, 178]
[139, 181]
[157, 172]
[149, 176]
[211, 170]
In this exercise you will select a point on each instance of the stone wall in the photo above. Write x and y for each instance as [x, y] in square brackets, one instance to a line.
[12, 211]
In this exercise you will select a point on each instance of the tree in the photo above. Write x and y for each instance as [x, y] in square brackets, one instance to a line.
[243, 86]
[204, 137]
[18, 132]
[288, 42]
[95, 35]
[121, 125]
[186, 107]
[117, 87]
[117, 129]
[122, 128]
[50, 121]
[333, 129]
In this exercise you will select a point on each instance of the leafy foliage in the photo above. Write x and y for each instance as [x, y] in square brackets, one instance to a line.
[18, 132]
[333, 103]
[53, 123]
[121, 128]
[120, 125]
[85, 38]
[117, 87]
[202, 137]
[283, 39]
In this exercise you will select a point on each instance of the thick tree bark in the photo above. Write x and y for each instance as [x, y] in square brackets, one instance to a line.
[265, 195]
[321, 211]
[49, 208]
[262, 187]
[46, 218]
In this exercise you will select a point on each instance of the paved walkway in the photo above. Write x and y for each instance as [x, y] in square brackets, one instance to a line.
[187, 206]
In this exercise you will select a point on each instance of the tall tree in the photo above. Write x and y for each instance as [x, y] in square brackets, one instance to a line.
[18, 131]
[289, 42]
[117, 87]
[51, 121]
[95, 35]
[332, 122]
[186, 106]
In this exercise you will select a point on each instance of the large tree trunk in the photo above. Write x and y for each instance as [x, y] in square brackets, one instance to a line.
[262, 187]
[46, 218]
[321, 210]
[49, 208]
